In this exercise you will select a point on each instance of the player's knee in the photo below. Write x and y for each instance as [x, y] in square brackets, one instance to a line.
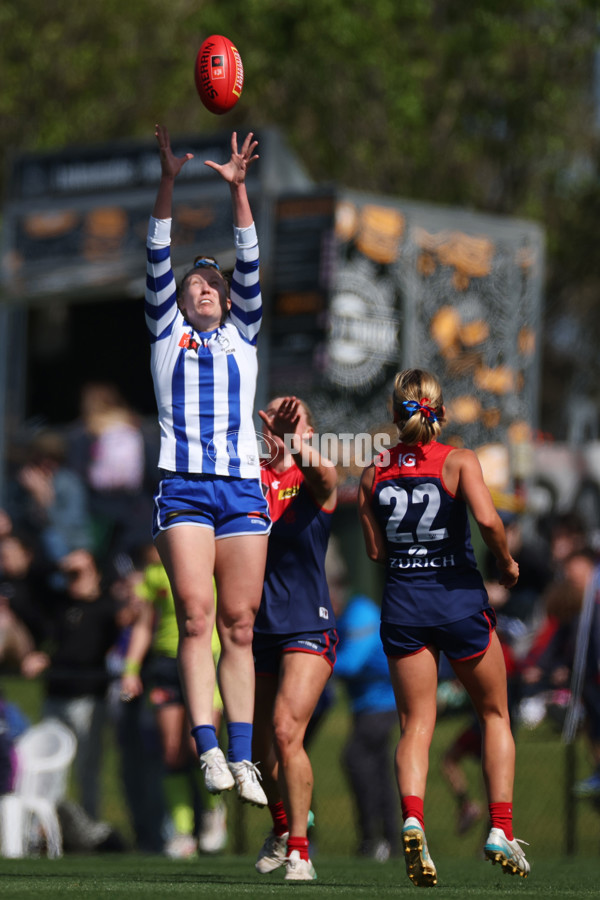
[491, 712]
[287, 736]
[238, 633]
[196, 626]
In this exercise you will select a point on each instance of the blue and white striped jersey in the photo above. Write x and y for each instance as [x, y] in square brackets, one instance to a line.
[204, 382]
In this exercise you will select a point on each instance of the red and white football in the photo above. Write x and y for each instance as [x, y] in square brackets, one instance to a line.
[219, 74]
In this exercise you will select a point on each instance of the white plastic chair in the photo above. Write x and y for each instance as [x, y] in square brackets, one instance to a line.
[44, 756]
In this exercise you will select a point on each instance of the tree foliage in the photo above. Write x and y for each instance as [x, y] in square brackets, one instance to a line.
[487, 105]
[475, 104]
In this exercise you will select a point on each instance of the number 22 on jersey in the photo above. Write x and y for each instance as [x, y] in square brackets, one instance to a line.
[416, 509]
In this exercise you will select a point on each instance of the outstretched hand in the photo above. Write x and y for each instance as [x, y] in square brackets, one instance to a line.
[235, 170]
[171, 165]
[284, 421]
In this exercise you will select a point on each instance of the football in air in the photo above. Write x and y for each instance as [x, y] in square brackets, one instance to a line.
[219, 74]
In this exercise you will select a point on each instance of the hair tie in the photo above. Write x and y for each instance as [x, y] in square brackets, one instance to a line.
[206, 263]
[413, 407]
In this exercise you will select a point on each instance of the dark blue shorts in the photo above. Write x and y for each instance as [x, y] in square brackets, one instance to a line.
[268, 648]
[460, 640]
[164, 686]
[229, 506]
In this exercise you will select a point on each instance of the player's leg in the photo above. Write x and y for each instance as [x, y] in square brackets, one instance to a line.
[273, 853]
[239, 572]
[484, 678]
[262, 734]
[188, 552]
[302, 680]
[303, 677]
[414, 679]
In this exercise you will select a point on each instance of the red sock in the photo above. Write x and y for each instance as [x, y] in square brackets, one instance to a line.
[413, 806]
[501, 817]
[280, 822]
[300, 844]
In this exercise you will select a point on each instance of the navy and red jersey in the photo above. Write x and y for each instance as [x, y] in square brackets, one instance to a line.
[295, 593]
[432, 576]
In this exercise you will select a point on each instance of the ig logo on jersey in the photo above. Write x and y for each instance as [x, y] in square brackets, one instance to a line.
[407, 459]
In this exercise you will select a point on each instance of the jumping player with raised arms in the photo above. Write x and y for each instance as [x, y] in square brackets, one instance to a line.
[413, 503]
[210, 516]
[295, 638]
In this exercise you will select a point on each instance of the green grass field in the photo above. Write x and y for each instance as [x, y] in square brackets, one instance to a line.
[539, 819]
[234, 876]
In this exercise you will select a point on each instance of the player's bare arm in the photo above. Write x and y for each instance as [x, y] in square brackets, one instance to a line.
[374, 540]
[170, 167]
[464, 471]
